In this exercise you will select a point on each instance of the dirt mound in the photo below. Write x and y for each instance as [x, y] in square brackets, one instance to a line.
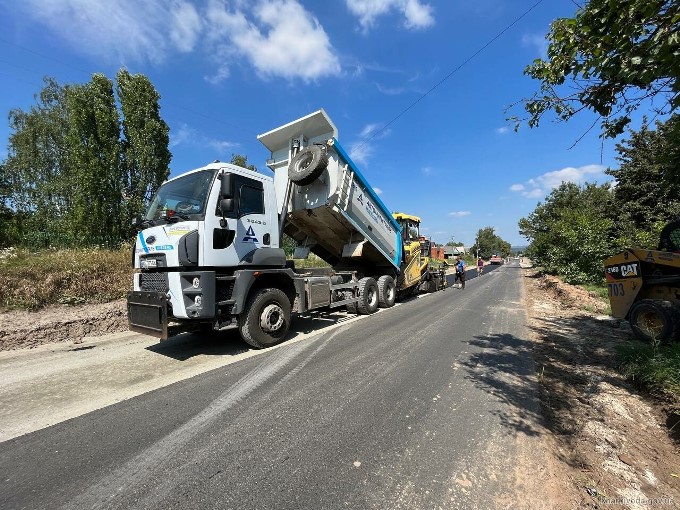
[19, 329]
[569, 295]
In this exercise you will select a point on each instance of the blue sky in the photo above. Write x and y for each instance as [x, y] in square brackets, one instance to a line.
[230, 70]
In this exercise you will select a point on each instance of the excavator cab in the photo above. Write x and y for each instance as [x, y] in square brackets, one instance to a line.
[669, 240]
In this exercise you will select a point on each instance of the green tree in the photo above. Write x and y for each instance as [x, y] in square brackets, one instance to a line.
[242, 161]
[146, 157]
[645, 197]
[487, 243]
[572, 232]
[7, 216]
[68, 172]
[36, 166]
[615, 54]
[93, 144]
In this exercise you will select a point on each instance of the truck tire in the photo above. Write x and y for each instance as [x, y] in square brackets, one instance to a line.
[387, 291]
[368, 296]
[266, 319]
[655, 321]
[307, 165]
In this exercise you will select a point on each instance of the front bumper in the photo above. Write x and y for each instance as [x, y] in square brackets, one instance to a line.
[148, 313]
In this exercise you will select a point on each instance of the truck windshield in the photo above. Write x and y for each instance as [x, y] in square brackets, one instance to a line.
[184, 197]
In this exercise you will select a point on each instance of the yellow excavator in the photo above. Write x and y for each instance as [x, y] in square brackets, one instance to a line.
[644, 287]
[419, 273]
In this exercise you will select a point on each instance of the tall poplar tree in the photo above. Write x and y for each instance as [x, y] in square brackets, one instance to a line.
[146, 157]
[93, 143]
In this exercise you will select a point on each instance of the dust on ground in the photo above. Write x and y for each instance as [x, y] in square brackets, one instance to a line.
[613, 445]
[608, 447]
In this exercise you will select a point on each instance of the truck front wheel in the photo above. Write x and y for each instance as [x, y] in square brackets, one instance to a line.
[368, 296]
[655, 321]
[267, 318]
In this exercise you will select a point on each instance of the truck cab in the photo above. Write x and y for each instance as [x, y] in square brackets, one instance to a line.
[199, 230]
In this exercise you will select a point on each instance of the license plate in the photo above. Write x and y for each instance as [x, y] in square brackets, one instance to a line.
[148, 263]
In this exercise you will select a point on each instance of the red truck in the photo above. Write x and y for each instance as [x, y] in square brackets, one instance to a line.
[496, 260]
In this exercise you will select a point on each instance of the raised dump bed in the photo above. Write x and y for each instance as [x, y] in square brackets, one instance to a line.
[334, 211]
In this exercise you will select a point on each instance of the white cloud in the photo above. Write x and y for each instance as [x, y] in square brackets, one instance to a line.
[503, 130]
[460, 214]
[390, 91]
[544, 184]
[417, 15]
[378, 191]
[186, 26]
[120, 30]
[363, 149]
[186, 135]
[360, 152]
[181, 135]
[221, 145]
[280, 38]
[374, 131]
[537, 41]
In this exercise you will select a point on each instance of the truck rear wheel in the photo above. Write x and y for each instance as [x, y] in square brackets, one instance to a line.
[267, 319]
[307, 165]
[368, 296]
[655, 321]
[387, 291]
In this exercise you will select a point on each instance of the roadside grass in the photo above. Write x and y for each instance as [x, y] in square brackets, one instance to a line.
[32, 280]
[654, 368]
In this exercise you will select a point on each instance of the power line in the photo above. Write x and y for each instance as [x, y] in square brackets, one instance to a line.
[460, 66]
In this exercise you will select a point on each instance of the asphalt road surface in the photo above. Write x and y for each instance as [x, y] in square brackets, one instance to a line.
[424, 405]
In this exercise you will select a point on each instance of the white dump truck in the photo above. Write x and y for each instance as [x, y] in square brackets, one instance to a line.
[209, 250]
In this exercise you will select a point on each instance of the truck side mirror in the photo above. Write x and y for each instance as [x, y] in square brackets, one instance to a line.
[226, 187]
[226, 205]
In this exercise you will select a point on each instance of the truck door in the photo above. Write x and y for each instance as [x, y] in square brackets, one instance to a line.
[247, 226]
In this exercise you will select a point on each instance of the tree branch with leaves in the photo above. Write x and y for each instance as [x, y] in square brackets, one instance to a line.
[612, 57]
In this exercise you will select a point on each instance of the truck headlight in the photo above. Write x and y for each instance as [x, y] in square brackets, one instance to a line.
[196, 283]
[197, 301]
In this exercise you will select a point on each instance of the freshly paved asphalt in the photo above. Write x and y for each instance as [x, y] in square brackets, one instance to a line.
[419, 406]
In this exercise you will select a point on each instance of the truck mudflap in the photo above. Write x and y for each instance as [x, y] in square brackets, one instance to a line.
[148, 313]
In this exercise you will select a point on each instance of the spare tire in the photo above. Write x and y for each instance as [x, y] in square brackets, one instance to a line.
[307, 165]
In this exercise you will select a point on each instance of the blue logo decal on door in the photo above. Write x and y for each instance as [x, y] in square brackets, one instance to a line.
[250, 236]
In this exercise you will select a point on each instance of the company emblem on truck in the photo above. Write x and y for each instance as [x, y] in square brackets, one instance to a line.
[250, 236]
